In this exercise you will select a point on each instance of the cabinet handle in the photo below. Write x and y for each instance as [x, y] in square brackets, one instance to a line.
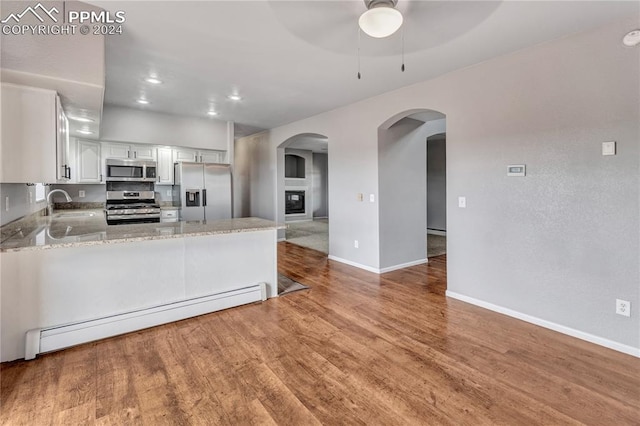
[204, 197]
[100, 177]
[135, 154]
[201, 158]
[69, 173]
[128, 154]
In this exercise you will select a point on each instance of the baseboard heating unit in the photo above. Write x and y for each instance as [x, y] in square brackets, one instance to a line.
[49, 339]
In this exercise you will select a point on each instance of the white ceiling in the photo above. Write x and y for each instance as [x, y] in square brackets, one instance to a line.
[293, 59]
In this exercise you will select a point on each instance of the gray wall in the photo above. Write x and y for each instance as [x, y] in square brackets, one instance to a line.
[21, 201]
[437, 182]
[402, 193]
[560, 244]
[92, 193]
[320, 184]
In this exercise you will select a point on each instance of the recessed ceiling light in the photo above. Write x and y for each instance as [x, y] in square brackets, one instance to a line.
[85, 132]
[212, 113]
[632, 38]
[153, 80]
[81, 119]
[142, 101]
[235, 97]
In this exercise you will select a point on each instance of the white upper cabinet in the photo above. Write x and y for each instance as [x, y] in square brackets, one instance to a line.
[115, 150]
[63, 159]
[88, 162]
[165, 166]
[120, 150]
[199, 155]
[211, 156]
[184, 154]
[30, 134]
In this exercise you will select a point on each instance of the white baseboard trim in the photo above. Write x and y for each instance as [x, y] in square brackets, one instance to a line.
[63, 336]
[378, 270]
[403, 265]
[357, 265]
[436, 232]
[629, 350]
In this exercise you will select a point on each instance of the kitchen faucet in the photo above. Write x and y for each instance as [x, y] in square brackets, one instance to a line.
[50, 205]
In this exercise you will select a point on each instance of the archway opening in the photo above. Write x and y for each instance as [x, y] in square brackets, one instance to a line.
[303, 190]
[411, 183]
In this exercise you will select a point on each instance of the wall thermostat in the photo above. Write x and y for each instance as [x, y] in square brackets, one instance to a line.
[516, 170]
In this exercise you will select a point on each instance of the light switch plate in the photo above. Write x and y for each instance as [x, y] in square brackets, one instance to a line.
[517, 170]
[609, 148]
[462, 202]
[372, 198]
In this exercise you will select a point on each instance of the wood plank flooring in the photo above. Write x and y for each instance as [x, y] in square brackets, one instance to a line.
[357, 348]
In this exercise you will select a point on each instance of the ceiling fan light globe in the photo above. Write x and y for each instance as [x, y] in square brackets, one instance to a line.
[380, 22]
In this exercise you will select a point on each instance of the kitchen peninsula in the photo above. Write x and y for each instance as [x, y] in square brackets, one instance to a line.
[70, 278]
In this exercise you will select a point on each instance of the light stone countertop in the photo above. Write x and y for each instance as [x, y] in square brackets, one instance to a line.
[73, 228]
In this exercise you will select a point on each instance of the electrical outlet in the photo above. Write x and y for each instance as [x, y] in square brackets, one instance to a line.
[462, 202]
[356, 244]
[168, 193]
[81, 194]
[623, 307]
[372, 198]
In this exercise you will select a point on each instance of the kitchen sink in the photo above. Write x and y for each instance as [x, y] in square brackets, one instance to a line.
[69, 215]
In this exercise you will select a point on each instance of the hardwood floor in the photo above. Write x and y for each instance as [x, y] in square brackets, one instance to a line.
[357, 348]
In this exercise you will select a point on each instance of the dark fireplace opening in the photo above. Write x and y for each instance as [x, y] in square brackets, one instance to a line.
[294, 202]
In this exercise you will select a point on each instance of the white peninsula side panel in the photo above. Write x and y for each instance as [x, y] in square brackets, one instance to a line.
[58, 286]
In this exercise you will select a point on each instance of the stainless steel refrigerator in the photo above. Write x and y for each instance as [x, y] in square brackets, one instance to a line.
[203, 191]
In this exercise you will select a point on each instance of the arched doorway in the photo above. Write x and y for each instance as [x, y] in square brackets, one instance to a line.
[402, 185]
[303, 190]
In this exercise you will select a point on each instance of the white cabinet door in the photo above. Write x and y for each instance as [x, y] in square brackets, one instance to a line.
[211, 156]
[88, 164]
[165, 166]
[116, 150]
[29, 127]
[184, 154]
[63, 166]
[143, 152]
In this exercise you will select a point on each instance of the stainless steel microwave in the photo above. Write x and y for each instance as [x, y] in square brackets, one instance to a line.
[123, 170]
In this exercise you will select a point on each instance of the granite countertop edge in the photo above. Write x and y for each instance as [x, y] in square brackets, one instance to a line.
[233, 226]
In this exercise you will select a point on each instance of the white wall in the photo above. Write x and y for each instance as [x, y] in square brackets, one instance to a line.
[120, 124]
[564, 236]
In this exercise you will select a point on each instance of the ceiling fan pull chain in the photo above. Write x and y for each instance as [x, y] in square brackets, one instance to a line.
[402, 36]
[359, 76]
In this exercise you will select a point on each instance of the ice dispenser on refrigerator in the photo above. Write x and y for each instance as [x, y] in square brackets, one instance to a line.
[203, 191]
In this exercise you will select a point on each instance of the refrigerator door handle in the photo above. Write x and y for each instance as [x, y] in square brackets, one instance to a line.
[204, 197]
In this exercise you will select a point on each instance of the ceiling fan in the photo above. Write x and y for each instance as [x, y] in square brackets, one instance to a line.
[381, 19]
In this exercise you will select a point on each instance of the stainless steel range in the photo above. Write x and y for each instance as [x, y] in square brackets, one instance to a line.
[131, 202]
